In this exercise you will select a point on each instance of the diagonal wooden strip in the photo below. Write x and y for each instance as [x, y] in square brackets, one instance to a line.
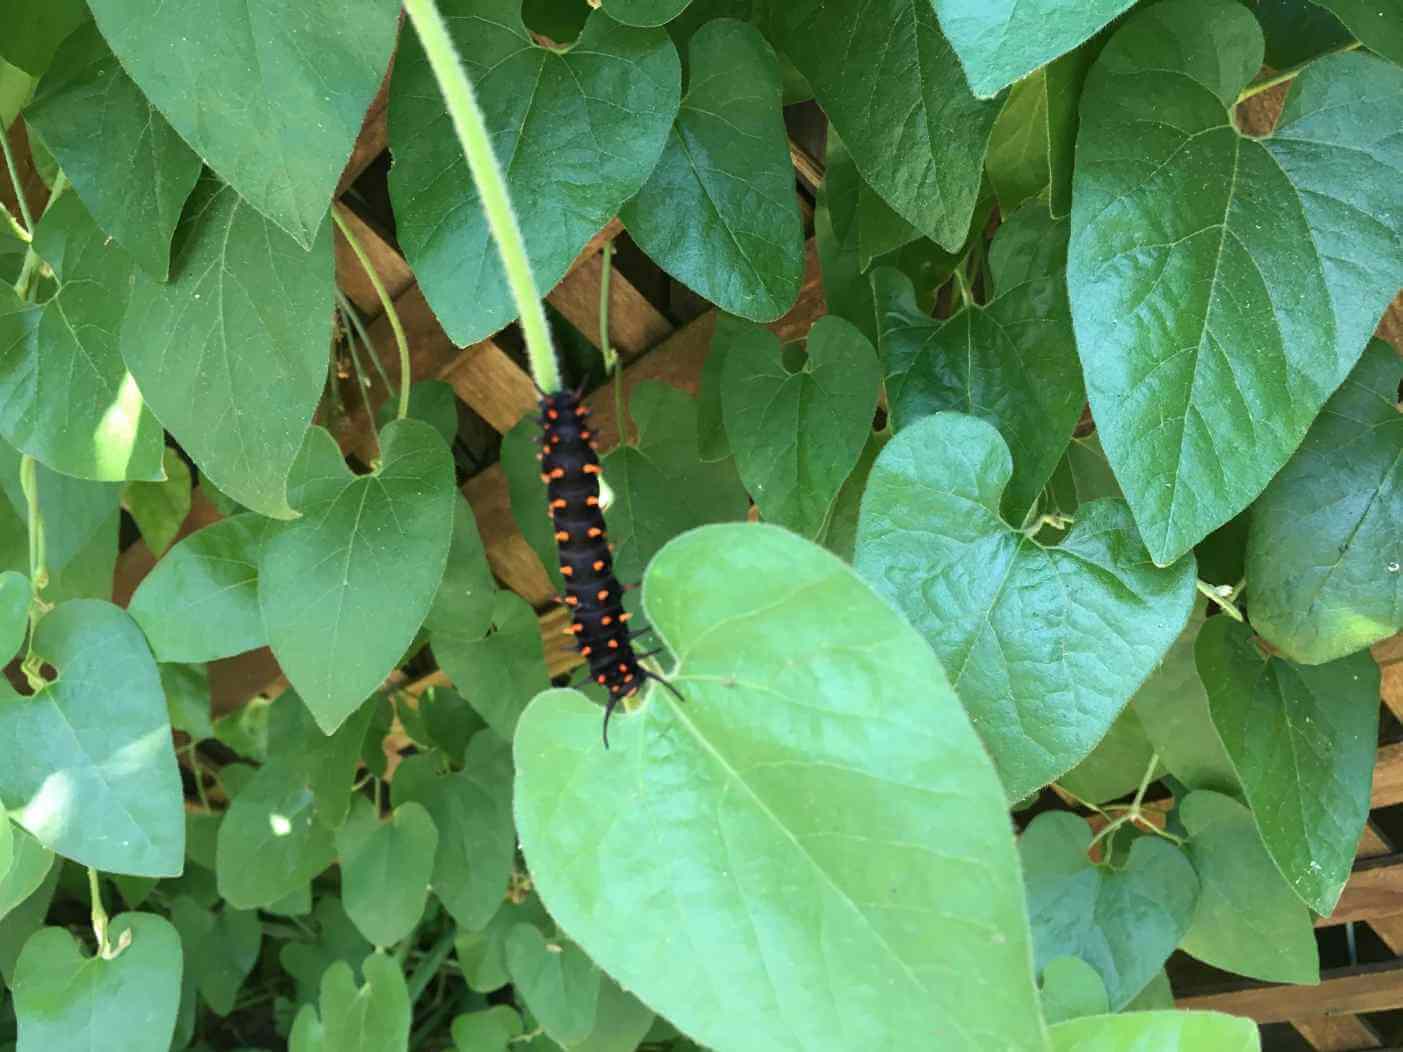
[1388, 776]
[634, 323]
[1372, 843]
[1338, 1033]
[1343, 991]
[1375, 889]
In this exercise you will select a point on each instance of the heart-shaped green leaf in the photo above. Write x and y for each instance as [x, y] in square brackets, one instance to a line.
[374, 1017]
[1000, 41]
[231, 353]
[1012, 361]
[617, 84]
[1222, 286]
[200, 603]
[337, 940]
[29, 863]
[1379, 26]
[1044, 645]
[325, 763]
[774, 796]
[719, 212]
[272, 99]
[220, 949]
[64, 999]
[797, 435]
[490, 1030]
[91, 769]
[1325, 554]
[1071, 988]
[556, 980]
[1157, 1032]
[385, 869]
[1124, 922]
[472, 811]
[482, 954]
[500, 673]
[339, 625]
[891, 84]
[1302, 741]
[128, 165]
[90, 420]
[1248, 920]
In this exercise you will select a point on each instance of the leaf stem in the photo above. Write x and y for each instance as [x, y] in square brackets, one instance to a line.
[14, 181]
[38, 571]
[31, 256]
[360, 377]
[99, 915]
[962, 284]
[1290, 73]
[387, 304]
[353, 318]
[1223, 596]
[612, 363]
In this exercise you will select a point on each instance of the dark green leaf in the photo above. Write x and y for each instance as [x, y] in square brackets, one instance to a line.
[621, 1021]
[840, 531]
[1157, 1032]
[559, 984]
[1045, 645]
[775, 813]
[339, 624]
[220, 949]
[1325, 553]
[1124, 922]
[1302, 741]
[1071, 988]
[35, 28]
[1117, 764]
[160, 508]
[1207, 268]
[645, 12]
[29, 863]
[501, 673]
[483, 954]
[797, 435]
[128, 165]
[374, 1017]
[14, 615]
[719, 212]
[1298, 30]
[231, 354]
[385, 869]
[326, 763]
[1248, 920]
[465, 598]
[23, 921]
[579, 131]
[188, 699]
[91, 770]
[1157, 995]
[272, 99]
[337, 940]
[1377, 24]
[490, 1030]
[432, 401]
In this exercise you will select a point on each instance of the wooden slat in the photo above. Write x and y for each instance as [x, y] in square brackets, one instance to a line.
[1372, 843]
[634, 323]
[487, 380]
[1391, 687]
[1388, 651]
[1388, 776]
[1390, 932]
[1344, 991]
[394, 272]
[1339, 1033]
[1375, 889]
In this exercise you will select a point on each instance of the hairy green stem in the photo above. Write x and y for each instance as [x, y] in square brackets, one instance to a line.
[1290, 73]
[360, 376]
[468, 122]
[14, 180]
[612, 362]
[353, 318]
[31, 257]
[386, 304]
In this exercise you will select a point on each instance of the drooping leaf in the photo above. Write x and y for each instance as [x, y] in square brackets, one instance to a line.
[272, 99]
[1157, 1032]
[200, 603]
[1377, 24]
[1071, 988]
[661, 485]
[160, 508]
[220, 949]
[385, 869]
[131, 169]
[719, 212]
[1324, 551]
[558, 982]
[578, 131]
[35, 29]
[797, 435]
[231, 353]
[1045, 645]
[500, 673]
[1000, 41]
[65, 999]
[66, 398]
[892, 86]
[1012, 361]
[1124, 922]
[339, 625]
[1302, 740]
[465, 598]
[90, 768]
[780, 829]
[1247, 920]
[1223, 286]
[29, 863]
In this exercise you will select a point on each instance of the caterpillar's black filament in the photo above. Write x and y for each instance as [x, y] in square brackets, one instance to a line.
[570, 470]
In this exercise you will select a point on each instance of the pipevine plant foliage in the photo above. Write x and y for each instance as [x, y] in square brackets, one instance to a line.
[1080, 507]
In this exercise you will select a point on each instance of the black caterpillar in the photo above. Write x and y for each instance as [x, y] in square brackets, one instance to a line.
[570, 470]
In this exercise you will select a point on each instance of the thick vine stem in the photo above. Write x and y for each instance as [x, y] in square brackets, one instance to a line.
[386, 304]
[468, 122]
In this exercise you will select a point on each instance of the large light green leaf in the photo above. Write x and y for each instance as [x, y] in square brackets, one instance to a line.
[578, 132]
[1000, 41]
[1012, 361]
[345, 588]
[385, 869]
[90, 768]
[719, 212]
[501, 672]
[558, 982]
[35, 28]
[1302, 741]
[128, 165]
[271, 98]
[1377, 24]
[1045, 645]
[1248, 920]
[1123, 921]
[65, 396]
[67, 1000]
[1324, 551]
[785, 811]
[232, 353]
[200, 603]
[661, 485]
[892, 86]
[797, 435]
[1157, 1032]
[472, 811]
[220, 949]
[29, 863]
[1222, 287]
